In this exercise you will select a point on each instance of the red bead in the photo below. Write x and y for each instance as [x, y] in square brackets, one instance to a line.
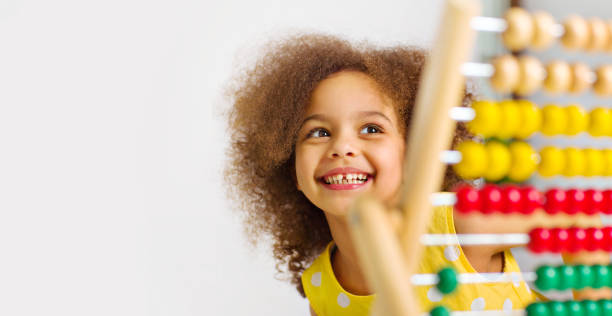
[468, 199]
[540, 240]
[594, 239]
[491, 197]
[559, 240]
[532, 200]
[594, 201]
[556, 201]
[607, 201]
[607, 238]
[577, 239]
[512, 199]
[576, 201]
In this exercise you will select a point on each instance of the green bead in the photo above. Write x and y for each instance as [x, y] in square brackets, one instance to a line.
[557, 308]
[586, 277]
[568, 278]
[603, 276]
[439, 311]
[591, 308]
[547, 278]
[448, 280]
[537, 309]
[605, 306]
[574, 308]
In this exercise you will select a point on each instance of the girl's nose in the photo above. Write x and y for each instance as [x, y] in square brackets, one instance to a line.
[343, 147]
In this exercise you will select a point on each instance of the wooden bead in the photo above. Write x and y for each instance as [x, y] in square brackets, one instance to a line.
[603, 84]
[600, 35]
[543, 31]
[609, 44]
[581, 77]
[506, 75]
[519, 33]
[558, 77]
[531, 75]
[576, 34]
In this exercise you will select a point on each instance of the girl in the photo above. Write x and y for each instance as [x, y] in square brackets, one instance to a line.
[314, 124]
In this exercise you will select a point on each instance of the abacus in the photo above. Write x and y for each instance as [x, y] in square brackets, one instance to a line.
[389, 250]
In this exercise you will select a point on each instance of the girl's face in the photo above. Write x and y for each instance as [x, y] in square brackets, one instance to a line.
[350, 142]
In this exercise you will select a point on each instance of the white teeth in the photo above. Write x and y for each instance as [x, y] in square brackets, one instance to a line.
[350, 178]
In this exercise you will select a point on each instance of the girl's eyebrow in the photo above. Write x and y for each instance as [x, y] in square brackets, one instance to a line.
[322, 117]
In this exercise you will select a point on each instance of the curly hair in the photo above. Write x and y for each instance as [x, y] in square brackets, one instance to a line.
[269, 101]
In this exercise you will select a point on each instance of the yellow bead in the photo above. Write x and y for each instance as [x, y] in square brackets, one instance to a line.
[487, 119]
[552, 161]
[531, 119]
[510, 119]
[600, 122]
[499, 157]
[607, 156]
[595, 164]
[473, 160]
[574, 162]
[577, 120]
[554, 120]
[524, 161]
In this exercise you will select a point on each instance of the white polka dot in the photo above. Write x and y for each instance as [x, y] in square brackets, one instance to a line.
[478, 304]
[451, 253]
[516, 279]
[434, 294]
[343, 300]
[507, 306]
[316, 279]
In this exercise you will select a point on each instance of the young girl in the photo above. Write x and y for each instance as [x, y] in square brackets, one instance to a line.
[316, 122]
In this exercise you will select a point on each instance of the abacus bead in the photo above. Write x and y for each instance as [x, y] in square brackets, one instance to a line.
[576, 201]
[594, 239]
[532, 198]
[513, 199]
[473, 160]
[600, 35]
[531, 75]
[559, 240]
[606, 307]
[511, 119]
[499, 156]
[574, 162]
[543, 32]
[591, 308]
[607, 154]
[540, 240]
[506, 75]
[574, 308]
[603, 276]
[600, 121]
[487, 119]
[607, 202]
[577, 120]
[552, 161]
[557, 308]
[609, 25]
[447, 280]
[594, 201]
[603, 84]
[468, 199]
[577, 239]
[492, 199]
[558, 77]
[586, 277]
[594, 162]
[524, 161]
[581, 78]
[537, 309]
[547, 278]
[568, 278]
[519, 32]
[531, 119]
[439, 311]
[607, 238]
[554, 120]
[576, 34]
[556, 201]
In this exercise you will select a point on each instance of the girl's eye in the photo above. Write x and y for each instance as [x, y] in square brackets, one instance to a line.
[371, 129]
[318, 132]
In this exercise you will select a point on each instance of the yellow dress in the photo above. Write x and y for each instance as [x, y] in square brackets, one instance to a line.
[327, 297]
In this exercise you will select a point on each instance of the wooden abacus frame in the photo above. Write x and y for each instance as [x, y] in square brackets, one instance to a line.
[389, 256]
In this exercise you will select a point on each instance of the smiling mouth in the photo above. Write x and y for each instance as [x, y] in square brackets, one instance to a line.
[346, 181]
